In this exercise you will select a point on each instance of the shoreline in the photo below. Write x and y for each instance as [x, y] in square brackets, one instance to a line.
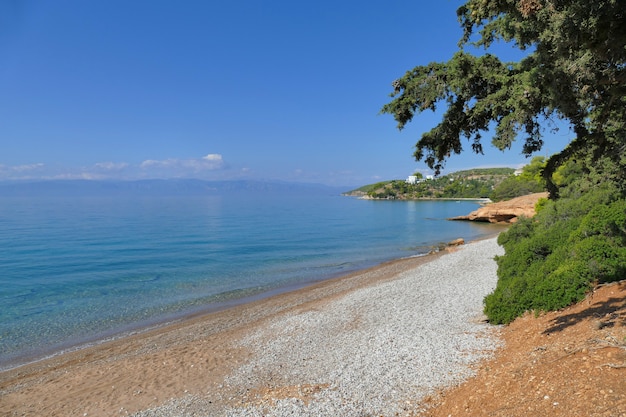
[206, 312]
[175, 319]
[99, 377]
[479, 200]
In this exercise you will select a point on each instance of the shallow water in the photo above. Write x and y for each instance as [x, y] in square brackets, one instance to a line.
[79, 269]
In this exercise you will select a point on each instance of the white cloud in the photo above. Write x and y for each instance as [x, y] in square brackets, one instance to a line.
[111, 166]
[185, 167]
[213, 157]
[27, 167]
[152, 163]
[204, 167]
[22, 172]
[76, 176]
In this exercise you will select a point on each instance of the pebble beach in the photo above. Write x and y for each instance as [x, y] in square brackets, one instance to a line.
[375, 342]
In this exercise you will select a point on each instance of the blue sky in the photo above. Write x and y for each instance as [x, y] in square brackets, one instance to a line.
[272, 90]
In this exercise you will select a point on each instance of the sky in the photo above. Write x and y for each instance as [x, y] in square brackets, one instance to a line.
[266, 90]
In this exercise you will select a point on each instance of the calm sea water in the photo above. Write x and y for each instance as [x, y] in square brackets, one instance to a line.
[78, 270]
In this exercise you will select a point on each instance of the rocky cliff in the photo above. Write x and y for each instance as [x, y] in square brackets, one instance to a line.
[505, 211]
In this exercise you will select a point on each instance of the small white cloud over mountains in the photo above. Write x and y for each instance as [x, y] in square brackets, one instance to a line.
[111, 166]
[209, 162]
[213, 157]
[28, 167]
[166, 168]
[25, 171]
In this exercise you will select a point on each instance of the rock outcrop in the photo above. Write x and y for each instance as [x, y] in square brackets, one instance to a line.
[457, 242]
[505, 211]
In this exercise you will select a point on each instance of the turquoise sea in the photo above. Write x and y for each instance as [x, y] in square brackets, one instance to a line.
[76, 269]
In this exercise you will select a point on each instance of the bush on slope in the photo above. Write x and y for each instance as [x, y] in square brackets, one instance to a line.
[554, 259]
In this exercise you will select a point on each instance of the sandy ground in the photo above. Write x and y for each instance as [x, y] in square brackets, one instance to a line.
[146, 370]
[569, 363]
[566, 363]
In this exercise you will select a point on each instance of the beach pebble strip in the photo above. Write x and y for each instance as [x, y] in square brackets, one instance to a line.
[376, 352]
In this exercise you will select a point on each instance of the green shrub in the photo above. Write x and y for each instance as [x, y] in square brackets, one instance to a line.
[529, 181]
[602, 258]
[552, 260]
[565, 285]
[541, 204]
[606, 220]
[514, 187]
[522, 230]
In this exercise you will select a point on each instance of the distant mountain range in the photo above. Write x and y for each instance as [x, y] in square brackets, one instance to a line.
[156, 187]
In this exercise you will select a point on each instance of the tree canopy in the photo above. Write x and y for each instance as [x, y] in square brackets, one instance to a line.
[574, 69]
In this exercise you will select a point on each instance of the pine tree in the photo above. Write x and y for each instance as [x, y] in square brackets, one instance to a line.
[574, 68]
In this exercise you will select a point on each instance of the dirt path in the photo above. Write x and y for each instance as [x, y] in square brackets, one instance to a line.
[568, 363]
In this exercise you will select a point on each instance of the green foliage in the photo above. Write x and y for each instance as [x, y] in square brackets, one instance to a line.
[574, 69]
[370, 187]
[553, 259]
[605, 220]
[529, 181]
[390, 190]
[514, 187]
[474, 183]
[568, 173]
[541, 204]
[480, 172]
[532, 171]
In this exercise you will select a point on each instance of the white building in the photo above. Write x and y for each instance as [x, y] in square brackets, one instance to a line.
[413, 179]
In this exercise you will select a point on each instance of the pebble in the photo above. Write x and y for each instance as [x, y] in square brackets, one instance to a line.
[377, 351]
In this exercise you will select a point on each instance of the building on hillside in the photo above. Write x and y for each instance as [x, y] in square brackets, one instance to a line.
[414, 179]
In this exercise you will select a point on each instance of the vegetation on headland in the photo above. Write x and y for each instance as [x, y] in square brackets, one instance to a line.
[476, 183]
[493, 183]
[573, 69]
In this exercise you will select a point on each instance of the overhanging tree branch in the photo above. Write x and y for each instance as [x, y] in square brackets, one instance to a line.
[576, 71]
